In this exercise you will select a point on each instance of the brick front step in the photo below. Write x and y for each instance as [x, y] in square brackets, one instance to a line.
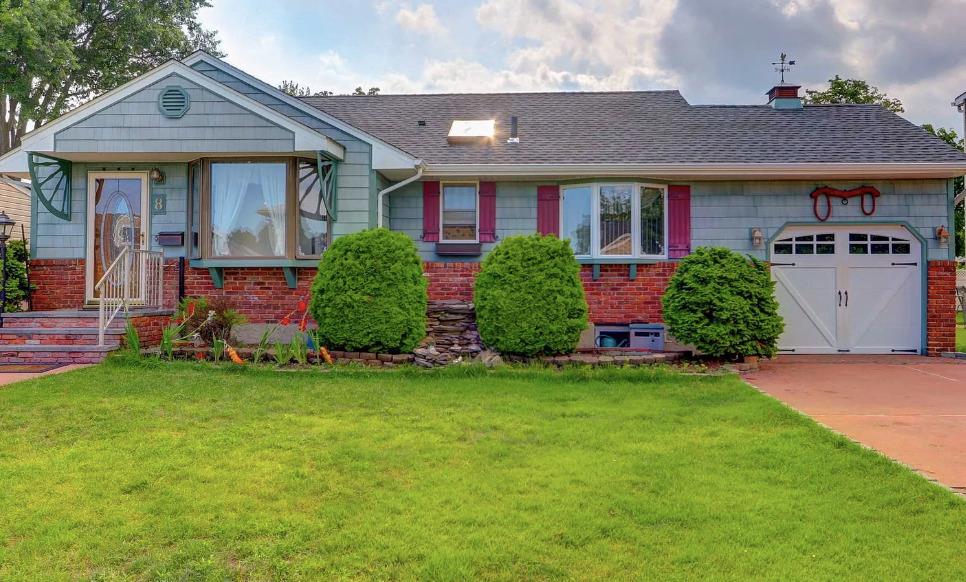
[71, 318]
[54, 354]
[58, 336]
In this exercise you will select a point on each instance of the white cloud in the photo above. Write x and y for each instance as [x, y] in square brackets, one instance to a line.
[422, 19]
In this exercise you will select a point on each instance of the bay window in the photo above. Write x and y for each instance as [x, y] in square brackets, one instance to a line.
[619, 220]
[261, 208]
[459, 212]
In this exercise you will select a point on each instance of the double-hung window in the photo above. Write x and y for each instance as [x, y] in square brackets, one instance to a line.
[459, 216]
[615, 220]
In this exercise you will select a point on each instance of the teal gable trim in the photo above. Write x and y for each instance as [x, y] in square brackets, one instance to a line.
[923, 258]
[951, 218]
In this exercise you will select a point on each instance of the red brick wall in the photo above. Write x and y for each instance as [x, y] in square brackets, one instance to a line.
[941, 308]
[149, 328]
[613, 297]
[260, 293]
[58, 283]
[451, 280]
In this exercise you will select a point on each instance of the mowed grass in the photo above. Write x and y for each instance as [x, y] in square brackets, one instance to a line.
[960, 333]
[184, 472]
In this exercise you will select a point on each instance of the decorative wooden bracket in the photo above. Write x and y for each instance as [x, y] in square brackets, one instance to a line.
[50, 181]
[826, 193]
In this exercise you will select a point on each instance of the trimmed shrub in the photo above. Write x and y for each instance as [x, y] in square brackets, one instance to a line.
[370, 293]
[529, 298]
[17, 288]
[724, 304]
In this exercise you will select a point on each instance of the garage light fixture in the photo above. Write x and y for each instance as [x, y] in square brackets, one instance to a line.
[942, 235]
[757, 237]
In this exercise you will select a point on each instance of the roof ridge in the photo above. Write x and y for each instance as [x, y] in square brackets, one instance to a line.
[451, 94]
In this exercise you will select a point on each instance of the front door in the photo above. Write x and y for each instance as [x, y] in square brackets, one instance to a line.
[115, 219]
[848, 289]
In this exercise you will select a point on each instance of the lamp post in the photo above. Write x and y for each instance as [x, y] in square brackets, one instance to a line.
[6, 227]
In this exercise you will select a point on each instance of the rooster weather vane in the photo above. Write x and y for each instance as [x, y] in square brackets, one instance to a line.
[783, 65]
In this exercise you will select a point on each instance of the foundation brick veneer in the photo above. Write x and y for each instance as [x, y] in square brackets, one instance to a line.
[58, 283]
[941, 308]
[263, 295]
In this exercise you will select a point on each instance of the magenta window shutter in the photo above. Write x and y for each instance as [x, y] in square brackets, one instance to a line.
[679, 221]
[487, 212]
[548, 210]
[431, 211]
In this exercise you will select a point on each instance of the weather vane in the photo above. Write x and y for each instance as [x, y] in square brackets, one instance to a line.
[783, 65]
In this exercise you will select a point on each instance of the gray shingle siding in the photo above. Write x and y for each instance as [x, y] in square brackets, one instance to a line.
[722, 213]
[212, 124]
[354, 188]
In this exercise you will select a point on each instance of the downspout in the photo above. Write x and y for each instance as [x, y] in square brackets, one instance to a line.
[420, 167]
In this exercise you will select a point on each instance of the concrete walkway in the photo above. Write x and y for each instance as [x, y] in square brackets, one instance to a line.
[10, 378]
[910, 408]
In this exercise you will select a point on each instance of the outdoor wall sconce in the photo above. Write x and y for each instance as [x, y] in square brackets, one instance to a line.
[157, 176]
[942, 235]
[757, 237]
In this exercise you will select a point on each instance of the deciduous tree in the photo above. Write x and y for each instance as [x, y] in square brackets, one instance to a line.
[56, 54]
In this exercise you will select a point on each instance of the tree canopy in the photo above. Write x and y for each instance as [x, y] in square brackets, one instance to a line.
[56, 54]
[296, 90]
[852, 91]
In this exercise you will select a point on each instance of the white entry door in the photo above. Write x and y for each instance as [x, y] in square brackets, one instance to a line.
[116, 204]
[848, 289]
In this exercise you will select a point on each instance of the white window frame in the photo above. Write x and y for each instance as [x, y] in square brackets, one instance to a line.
[635, 218]
[442, 207]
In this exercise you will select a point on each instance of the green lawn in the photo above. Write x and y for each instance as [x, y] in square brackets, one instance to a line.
[185, 472]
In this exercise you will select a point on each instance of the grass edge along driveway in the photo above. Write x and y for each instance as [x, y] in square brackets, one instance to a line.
[187, 471]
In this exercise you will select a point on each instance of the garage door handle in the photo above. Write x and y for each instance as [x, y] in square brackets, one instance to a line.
[905, 264]
[840, 299]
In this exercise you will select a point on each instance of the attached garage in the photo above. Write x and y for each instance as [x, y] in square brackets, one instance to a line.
[849, 289]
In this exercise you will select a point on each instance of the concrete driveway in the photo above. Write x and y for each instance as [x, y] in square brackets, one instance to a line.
[912, 409]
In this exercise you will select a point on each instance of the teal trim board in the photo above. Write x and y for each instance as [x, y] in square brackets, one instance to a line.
[951, 217]
[291, 276]
[217, 276]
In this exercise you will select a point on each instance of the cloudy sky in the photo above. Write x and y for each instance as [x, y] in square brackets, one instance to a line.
[714, 51]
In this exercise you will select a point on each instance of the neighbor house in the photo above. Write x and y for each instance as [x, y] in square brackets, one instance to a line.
[239, 188]
[15, 202]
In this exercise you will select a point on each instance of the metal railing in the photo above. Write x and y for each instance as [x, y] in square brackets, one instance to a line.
[134, 278]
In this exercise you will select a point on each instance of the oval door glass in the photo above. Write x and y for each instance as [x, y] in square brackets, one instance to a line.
[117, 219]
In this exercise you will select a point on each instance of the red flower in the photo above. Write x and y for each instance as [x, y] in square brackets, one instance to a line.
[302, 305]
[199, 355]
[286, 320]
[191, 309]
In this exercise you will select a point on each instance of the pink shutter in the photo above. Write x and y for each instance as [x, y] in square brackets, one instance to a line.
[679, 221]
[431, 211]
[548, 210]
[487, 212]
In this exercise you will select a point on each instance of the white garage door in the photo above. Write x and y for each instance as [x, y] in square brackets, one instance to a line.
[848, 289]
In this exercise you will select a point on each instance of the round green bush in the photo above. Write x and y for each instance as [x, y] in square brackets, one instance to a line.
[370, 293]
[724, 304]
[528, 296]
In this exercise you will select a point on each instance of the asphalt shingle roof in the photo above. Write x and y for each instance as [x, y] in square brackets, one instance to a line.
[637, 127]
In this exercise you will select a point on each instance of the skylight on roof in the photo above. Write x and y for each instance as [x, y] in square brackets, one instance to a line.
[471, 129]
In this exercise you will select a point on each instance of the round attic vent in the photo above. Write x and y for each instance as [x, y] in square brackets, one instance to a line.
[173, 102]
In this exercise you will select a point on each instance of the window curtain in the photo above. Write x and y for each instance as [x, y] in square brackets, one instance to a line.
[248, 201]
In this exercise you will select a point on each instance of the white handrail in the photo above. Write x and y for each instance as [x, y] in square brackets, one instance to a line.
[134, 277]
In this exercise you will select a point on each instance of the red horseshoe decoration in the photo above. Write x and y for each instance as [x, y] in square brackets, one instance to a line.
[864, 192]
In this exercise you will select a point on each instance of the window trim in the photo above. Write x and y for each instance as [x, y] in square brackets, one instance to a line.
[442, 207]
[292, 222]
[637, 187]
